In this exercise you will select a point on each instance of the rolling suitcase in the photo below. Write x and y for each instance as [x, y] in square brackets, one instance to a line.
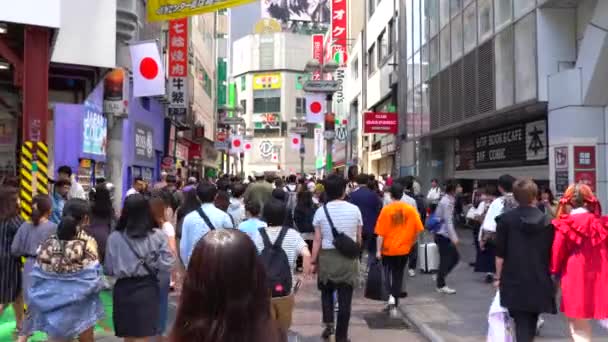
[428, 257]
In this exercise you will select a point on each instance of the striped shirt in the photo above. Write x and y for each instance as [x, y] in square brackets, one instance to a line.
[293, 244]
[346, 218]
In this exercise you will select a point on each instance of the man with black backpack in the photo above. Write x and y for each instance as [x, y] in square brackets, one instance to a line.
[279, 247]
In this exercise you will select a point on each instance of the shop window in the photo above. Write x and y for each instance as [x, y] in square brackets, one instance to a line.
[392, 33]
[355, 68]
[455, 7]
[416, 67]
[444, 52]
[444, 13]
[485, 19]
[503, 12]
[434, 57]
[424, 63]
[371, 60]
[300, 106]
[267, 105]
[416, 26]
[525, 58]
[521, 7]
[432, 12]
[470, 28]
[424, 20]
[503, 64]
[243, 83]
[456, 38]
[382, 47]
[244, 105]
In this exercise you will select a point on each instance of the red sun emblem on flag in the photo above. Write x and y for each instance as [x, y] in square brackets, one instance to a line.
[316, 107]
[236, 143]
[295, 141]
[247, 146]
[148, 68]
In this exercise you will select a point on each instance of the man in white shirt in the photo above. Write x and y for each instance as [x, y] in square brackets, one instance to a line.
[195, 226]
[434, 194]
[138, 186]
[487, 232]
[76, 190]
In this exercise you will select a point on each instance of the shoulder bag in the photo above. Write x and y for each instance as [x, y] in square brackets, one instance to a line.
[343, 243]
[142, 261]
[205, 218]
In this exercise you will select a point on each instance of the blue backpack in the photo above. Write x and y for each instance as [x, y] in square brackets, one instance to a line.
[433, 223]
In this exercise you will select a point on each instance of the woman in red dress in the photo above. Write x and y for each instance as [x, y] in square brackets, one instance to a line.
[580, 259]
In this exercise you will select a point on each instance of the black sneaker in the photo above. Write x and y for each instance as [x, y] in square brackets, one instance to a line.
[327, 332]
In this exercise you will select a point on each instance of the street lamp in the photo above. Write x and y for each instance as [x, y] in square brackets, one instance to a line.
[327, 87]
[234, 110]
[300, 128]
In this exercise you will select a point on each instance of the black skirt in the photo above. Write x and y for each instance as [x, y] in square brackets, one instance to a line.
[136, 307]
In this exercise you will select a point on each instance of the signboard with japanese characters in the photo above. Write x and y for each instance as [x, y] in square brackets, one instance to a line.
[267, 121]
[584, 165]
[338, 31]
[517, 145]
[317, 53]
[178, 67]
[267, 81]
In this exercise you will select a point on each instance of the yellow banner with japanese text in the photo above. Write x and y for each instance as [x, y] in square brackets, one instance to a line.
[174, 9]
[271, 80]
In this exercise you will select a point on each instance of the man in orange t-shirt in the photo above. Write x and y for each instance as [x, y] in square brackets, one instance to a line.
[397, 228]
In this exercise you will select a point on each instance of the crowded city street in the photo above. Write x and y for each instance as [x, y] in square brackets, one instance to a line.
[303, 170]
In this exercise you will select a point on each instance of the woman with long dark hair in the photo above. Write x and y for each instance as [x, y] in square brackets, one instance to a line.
[190, 204]
[63, 300]
[102, 218]
[225, 296]
[10, 266]
[29, 237]
[135, 253]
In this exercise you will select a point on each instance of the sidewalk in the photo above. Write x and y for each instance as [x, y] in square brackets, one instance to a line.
[463, 317]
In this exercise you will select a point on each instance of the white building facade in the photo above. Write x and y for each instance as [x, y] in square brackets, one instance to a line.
[269, 77]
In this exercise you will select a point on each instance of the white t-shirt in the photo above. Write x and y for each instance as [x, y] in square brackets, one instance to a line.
[293, 244]
[168, 229]
[346, 218]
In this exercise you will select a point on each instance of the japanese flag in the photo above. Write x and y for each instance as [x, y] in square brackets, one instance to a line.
[315, 108]
[247, 146]
[148, 74]
[236, 145]
[275, 157]
[295, 141]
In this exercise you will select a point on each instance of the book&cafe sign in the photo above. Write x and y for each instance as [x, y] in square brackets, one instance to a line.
[516, 145]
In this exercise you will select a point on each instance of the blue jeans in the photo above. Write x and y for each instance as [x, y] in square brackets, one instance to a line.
[164, 279]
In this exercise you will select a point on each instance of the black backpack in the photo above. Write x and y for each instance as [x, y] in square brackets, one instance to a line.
[274, 259]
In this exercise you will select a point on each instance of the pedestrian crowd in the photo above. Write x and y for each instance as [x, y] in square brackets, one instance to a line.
[234, 251]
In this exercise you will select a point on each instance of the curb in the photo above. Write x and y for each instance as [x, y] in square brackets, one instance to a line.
[426, 331]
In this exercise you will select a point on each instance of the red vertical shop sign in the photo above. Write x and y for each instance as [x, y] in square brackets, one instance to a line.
[339, 31]
[178, 47]
[317, 53]
[584, 165]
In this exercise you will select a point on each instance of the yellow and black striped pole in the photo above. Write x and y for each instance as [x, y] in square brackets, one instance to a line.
[26, 192]
[42, 174]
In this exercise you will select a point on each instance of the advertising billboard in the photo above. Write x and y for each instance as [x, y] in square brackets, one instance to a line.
[297, 10]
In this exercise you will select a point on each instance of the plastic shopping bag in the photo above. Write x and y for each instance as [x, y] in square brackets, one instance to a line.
[500, 324]
[376, 287]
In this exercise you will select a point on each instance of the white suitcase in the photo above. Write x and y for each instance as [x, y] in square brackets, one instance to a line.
[428, 257]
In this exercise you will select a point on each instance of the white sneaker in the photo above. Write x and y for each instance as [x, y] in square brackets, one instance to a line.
[446, 290]
[393, 313]
[539, 324]
[411, 272]
[391, 300]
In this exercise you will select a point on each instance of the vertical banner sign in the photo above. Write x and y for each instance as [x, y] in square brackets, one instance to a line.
[178, 67]
[338, 31]
[584, 165]
[561, 169]
[317, 53]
